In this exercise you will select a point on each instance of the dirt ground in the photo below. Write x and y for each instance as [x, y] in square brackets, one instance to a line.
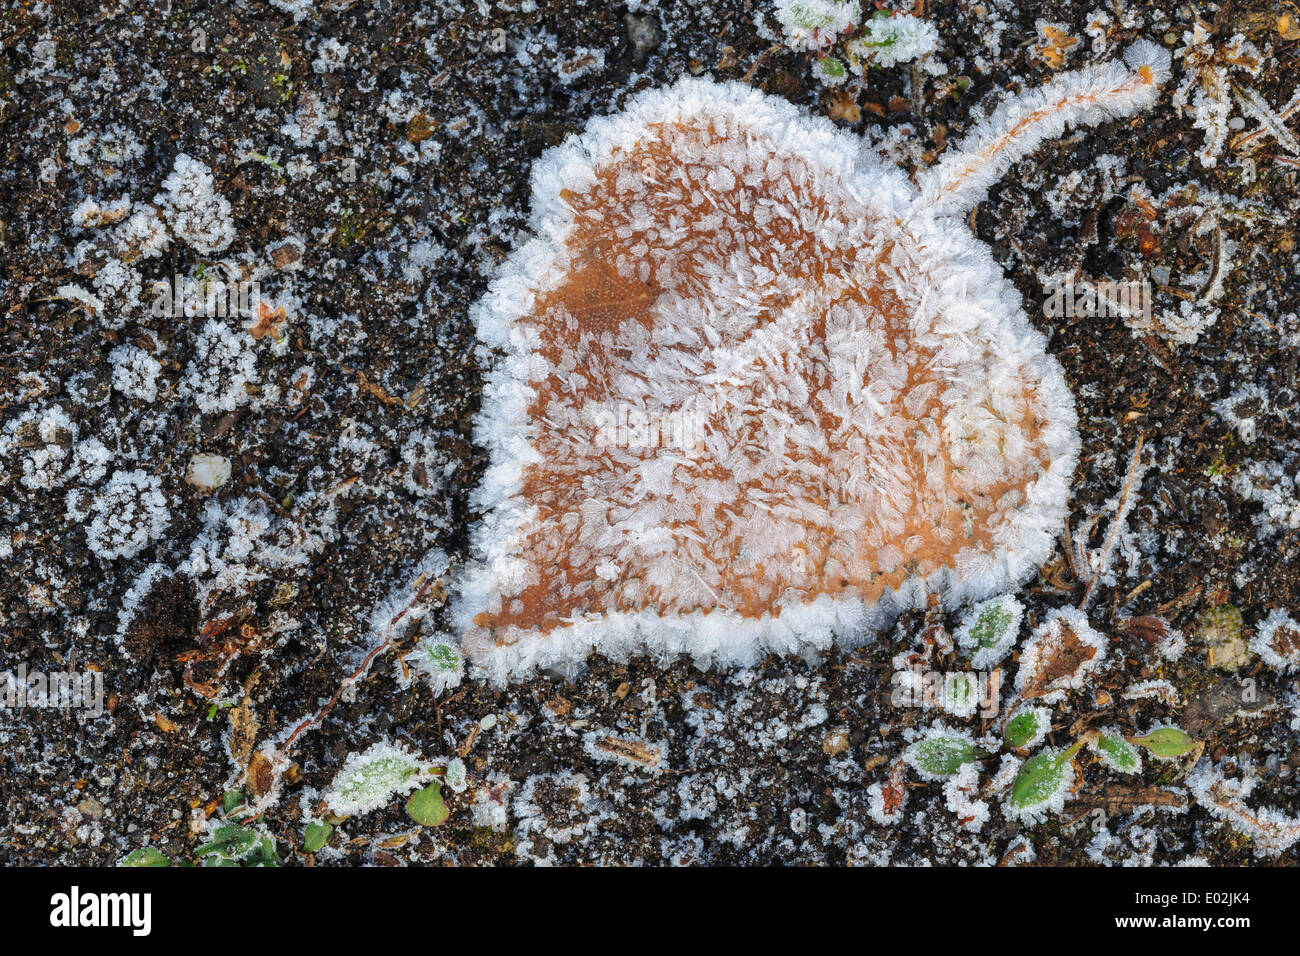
[376, 157]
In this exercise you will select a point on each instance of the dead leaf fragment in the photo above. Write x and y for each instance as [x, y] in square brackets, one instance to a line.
[165, 725]
[636, 751]
[1054, 45]
[261, 776]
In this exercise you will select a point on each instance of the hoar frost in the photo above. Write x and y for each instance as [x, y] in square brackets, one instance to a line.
[832, 480]
[193, 208]
[368, 780]
[222, 367]
[126, 515]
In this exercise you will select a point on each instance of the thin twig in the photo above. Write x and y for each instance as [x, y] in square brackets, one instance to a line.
[1112, 534]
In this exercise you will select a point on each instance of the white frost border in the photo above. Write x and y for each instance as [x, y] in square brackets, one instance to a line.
[967, 289]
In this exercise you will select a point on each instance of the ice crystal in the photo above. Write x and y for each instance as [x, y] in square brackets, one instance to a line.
[135, 372]
[811, 23]
[960, 793]
[1277, 642]
[128, 514]
[1271, 830]
[370, 779]
[840, 405]
[195, 211]
[222, 368]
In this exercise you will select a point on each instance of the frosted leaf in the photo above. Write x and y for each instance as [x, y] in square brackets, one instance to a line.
[1166, 743]
[889, 40]
[1027, 728]
[456, 777]
[960, 694]
[811, 23]
[1042, 786]
[830, 71]
[990, 630]
[1277, 642]
[438, 660]
[1060, 653]
[1116, 752]
[939, 753]
[368, 780]
[754, 387]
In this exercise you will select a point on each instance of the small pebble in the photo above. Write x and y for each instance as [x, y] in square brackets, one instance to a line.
[207, 473]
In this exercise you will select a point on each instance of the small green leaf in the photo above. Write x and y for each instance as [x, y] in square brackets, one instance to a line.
[990, 624]
[230, 840]
[145, 856]
[1041, 778]
[264, 854]
[1117, 753]
[1024, 729]
[832, 68]
[940, 755]
[316, 836]
[426, 808]
[1167, 743]
[231, 799]
[442, 655]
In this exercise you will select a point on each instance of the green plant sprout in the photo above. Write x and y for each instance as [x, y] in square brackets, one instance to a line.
[990, 629]
[1043, 783]
[1027, 728]
[940, 753]
[231, 844]
[1117, 753]
[369, 780]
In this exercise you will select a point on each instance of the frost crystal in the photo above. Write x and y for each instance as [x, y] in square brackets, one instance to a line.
[192, 207]
[755, 390]
[812, 23]
[1277, 642]
[41, 442]
[135, 372]
[222, 366]
[370, 779]
[127, 515]
[1272, 830]
[960, 792]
